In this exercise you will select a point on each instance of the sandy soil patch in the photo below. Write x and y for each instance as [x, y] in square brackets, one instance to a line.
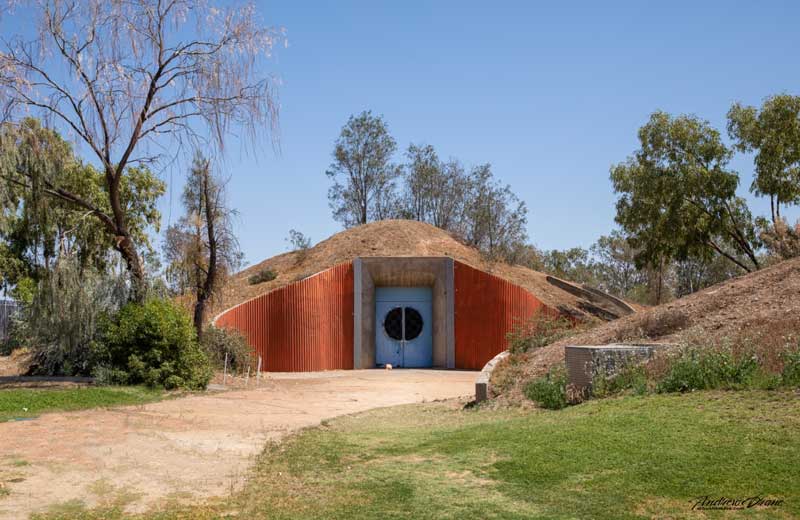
[182, 449]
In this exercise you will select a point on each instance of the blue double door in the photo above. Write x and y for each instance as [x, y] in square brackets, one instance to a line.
[403, 327]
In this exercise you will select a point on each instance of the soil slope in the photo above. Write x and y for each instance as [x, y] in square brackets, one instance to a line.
[763, 306]
[405, 238]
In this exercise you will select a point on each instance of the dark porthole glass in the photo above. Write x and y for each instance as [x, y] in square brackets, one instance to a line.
[393, 323]
[414, 323]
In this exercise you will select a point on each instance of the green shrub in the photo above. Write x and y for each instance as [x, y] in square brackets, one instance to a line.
[538, 331]
[549, 391]
[695, 369]
[264, 275]
[153, 343]
[218, 342]
[790, 376]
[631, 377]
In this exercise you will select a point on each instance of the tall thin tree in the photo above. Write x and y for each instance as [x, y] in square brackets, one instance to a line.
[202, 249]
[362, 171]
[773, 133]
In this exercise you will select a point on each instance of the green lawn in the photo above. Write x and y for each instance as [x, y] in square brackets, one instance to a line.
[631, 457]
[20, 403]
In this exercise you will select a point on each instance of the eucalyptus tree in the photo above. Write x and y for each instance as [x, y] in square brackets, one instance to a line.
[615, 265]
[496, 218]
[677, 196]
[422, 176]
[362, 172]
[773, 133]
[435, 191]
[133, 82]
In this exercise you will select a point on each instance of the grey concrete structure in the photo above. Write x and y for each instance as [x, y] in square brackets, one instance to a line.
[586, 362]
[484, 381]
[434, 272]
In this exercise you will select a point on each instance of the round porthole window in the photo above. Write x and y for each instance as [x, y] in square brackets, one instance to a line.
[393, 323]
[414, 323]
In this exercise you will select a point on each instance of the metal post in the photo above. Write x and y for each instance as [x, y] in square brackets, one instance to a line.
[247, 377]
[225, 370]
[258, 371]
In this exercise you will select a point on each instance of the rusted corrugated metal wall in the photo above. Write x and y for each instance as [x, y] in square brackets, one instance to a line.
[304, 326]
[486, 308]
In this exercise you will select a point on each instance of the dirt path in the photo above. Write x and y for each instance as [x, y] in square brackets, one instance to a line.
[192, 447]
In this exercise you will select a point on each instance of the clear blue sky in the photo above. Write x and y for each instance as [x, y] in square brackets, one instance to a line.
[550, 95]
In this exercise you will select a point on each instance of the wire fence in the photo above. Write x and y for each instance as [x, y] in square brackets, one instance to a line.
[7, 310]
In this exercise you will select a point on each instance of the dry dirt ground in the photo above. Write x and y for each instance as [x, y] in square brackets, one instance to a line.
[191, 447]
[15, 364]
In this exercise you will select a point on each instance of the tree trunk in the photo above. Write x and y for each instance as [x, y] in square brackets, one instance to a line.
[199, 316]
[772, 207]
[659, 293]
[209, 203]
[124, 243]
[134, 264]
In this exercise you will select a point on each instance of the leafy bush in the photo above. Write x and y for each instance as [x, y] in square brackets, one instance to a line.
[264, 275]
[790, 376]
[549, 391]
[632, 377]
[152, 343]
[218, 342]
[538, 331]
[695, 369]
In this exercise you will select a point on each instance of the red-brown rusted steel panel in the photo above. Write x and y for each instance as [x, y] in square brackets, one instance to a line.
[304, 326]
[486, 309]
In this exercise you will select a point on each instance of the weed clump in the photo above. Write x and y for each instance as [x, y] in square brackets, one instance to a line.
[549, 391]
[790, 375]
[217, 343]
[264, 275]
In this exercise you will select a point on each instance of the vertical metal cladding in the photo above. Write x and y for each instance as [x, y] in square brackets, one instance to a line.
[302, 327]
[486, 308]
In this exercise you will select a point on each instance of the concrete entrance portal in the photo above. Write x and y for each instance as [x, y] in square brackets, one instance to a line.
[404, 332]
[401, 283]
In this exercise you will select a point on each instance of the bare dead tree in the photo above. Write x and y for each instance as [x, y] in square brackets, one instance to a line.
[202, 249]
[136, 80]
